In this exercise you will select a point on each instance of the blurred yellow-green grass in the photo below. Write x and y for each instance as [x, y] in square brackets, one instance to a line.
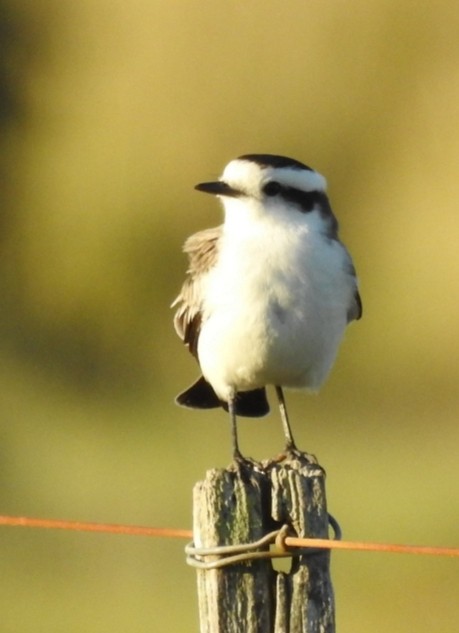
[109, 114]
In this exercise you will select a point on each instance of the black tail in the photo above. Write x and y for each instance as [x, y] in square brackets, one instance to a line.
[199, 396]
[250, 404]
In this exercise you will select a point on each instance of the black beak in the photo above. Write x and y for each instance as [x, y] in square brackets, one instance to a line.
[218, 188]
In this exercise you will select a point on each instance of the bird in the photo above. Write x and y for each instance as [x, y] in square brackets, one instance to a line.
[268, 293]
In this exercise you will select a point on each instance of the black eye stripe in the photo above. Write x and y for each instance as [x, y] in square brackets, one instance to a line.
[272, 188]
[306, 200]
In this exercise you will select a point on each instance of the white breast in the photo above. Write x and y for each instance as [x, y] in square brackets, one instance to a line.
[276, 307]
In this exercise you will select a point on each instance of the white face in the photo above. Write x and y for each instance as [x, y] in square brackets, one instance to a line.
[249, 178]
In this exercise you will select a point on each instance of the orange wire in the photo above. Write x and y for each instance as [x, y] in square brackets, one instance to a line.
[290, 541]
[81, 526]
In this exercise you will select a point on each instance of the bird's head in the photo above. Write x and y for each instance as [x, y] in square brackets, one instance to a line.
[262, 185]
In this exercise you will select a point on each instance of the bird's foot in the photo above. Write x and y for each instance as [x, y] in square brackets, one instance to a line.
[242, 463]
[291, 452]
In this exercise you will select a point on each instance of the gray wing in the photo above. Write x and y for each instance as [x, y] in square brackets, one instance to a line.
[354, 312]
[202, 251]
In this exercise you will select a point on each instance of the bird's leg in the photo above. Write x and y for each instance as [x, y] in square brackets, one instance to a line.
[290, 445]
[237, 455]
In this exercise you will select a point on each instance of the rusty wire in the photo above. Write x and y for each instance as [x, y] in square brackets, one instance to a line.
[287, 542]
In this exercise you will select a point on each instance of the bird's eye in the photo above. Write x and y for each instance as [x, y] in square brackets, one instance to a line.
[272, 188]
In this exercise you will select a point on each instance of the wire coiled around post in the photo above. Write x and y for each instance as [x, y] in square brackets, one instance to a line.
[246, 552]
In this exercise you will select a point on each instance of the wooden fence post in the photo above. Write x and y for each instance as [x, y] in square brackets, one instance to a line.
[242, 504]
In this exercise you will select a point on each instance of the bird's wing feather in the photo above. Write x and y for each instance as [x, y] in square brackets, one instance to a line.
[202, 251]
[354, 311]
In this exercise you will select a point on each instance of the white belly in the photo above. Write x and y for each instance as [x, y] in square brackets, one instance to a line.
[274, 315]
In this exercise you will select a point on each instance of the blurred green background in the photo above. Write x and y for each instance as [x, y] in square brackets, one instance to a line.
[110, 112]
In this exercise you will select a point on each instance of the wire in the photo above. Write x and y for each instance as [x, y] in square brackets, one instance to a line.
[81, 526]
[289, 541]
[293, 541]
